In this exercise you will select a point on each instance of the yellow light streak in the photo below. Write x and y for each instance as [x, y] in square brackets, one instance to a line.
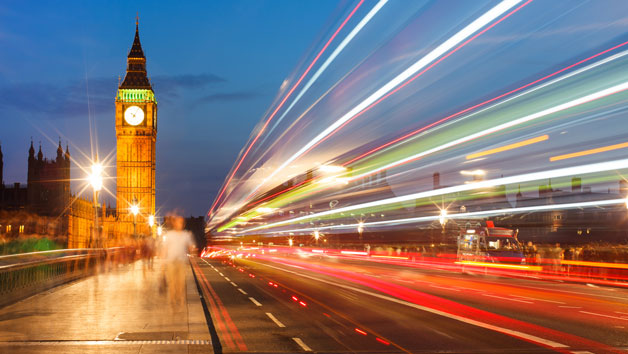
[388, 257]
[500, 265]
[597, 264]
[508, 147]
[589, 152]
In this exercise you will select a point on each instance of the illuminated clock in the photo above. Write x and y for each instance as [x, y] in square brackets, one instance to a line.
[134, 115]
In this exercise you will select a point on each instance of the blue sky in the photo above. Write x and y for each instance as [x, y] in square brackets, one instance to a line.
[215, 66]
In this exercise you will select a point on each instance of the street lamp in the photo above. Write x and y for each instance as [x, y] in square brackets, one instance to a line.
[159, 230]
[442, 219]
[135, 209]
[360, 229]
[151, 223]
[316, 236]
[95, 179]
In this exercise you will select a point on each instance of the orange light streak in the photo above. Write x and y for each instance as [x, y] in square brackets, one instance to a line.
[589, 152]
[597, 264]
[504, 266]
[508, 147]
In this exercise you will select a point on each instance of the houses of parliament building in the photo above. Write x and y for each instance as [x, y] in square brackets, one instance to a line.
[46, 206]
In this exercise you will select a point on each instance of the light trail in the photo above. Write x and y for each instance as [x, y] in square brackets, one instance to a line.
[508, 147]
[546, 112]
[442, 120]
[529, 177]
[281, 104]
[547, 84]
[470, 215]
[433, 55]
[589, 152]
[334, 54]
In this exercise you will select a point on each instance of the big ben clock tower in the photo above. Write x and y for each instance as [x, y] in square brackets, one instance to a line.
[136, 132]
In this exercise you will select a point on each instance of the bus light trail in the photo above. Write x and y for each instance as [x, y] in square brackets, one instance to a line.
[433, 55]
[442, 120]
[469, 215]
[552, 82]
[529, 177]
[546, 112]
[281, 104]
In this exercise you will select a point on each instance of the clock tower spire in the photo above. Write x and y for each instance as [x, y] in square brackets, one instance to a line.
[136, 133]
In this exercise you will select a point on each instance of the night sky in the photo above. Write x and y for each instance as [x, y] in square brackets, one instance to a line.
[215, 68]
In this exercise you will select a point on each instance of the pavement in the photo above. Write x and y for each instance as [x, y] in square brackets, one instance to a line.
[124, 310]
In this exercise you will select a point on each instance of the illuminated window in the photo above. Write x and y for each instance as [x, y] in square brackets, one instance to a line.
[21, 229]
[8, 228]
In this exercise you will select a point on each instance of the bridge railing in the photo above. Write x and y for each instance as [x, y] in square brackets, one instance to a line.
[26, 274]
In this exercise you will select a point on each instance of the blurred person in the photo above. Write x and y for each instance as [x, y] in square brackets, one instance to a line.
[531, 253]
[557, 257]
[176, 246]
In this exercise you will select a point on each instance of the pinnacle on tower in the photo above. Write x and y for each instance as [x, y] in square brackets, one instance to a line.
[136, 77]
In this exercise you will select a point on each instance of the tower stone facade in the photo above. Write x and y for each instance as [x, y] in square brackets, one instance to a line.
[136, 133]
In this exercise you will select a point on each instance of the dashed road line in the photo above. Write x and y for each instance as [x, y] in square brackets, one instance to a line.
[507, 298]
[533, 298]
[301, 344]
[255, 301]
[222, 275]
[571, 307]
[234, 284]
[277, 322]
[442, 287]
[242, 291]
[227, 279]
[514, 333]
[602, 315]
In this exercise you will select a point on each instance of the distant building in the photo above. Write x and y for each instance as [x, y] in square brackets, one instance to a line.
[46, 206]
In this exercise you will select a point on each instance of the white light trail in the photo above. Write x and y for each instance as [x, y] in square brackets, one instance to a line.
[528, 177]
[561, 107]
[333, 56]
[469, 215]
[450, 43]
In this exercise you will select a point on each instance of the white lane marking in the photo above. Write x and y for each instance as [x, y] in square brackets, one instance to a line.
[222, 275]
[227, 279]
[599, 314]
[442, 287]
[565, 291]
[507, 298]
[582, 352]
[270, 315]
[534, 298]
[571, 307]
[234, 284]
[301, 344]
[623, 313]
[510, 332]
[242, 291]
[255, 301]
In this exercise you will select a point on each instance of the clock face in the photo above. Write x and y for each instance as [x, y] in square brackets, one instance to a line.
[134, 115]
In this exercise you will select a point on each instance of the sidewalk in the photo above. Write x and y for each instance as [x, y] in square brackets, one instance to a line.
[118, 311]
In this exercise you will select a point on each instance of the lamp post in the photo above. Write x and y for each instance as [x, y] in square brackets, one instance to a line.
[360, 229]
[159, 230]
[135, 210]
[151, 223]
[95, 179]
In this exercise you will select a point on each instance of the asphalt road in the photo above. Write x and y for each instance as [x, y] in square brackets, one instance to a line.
[291, 304]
